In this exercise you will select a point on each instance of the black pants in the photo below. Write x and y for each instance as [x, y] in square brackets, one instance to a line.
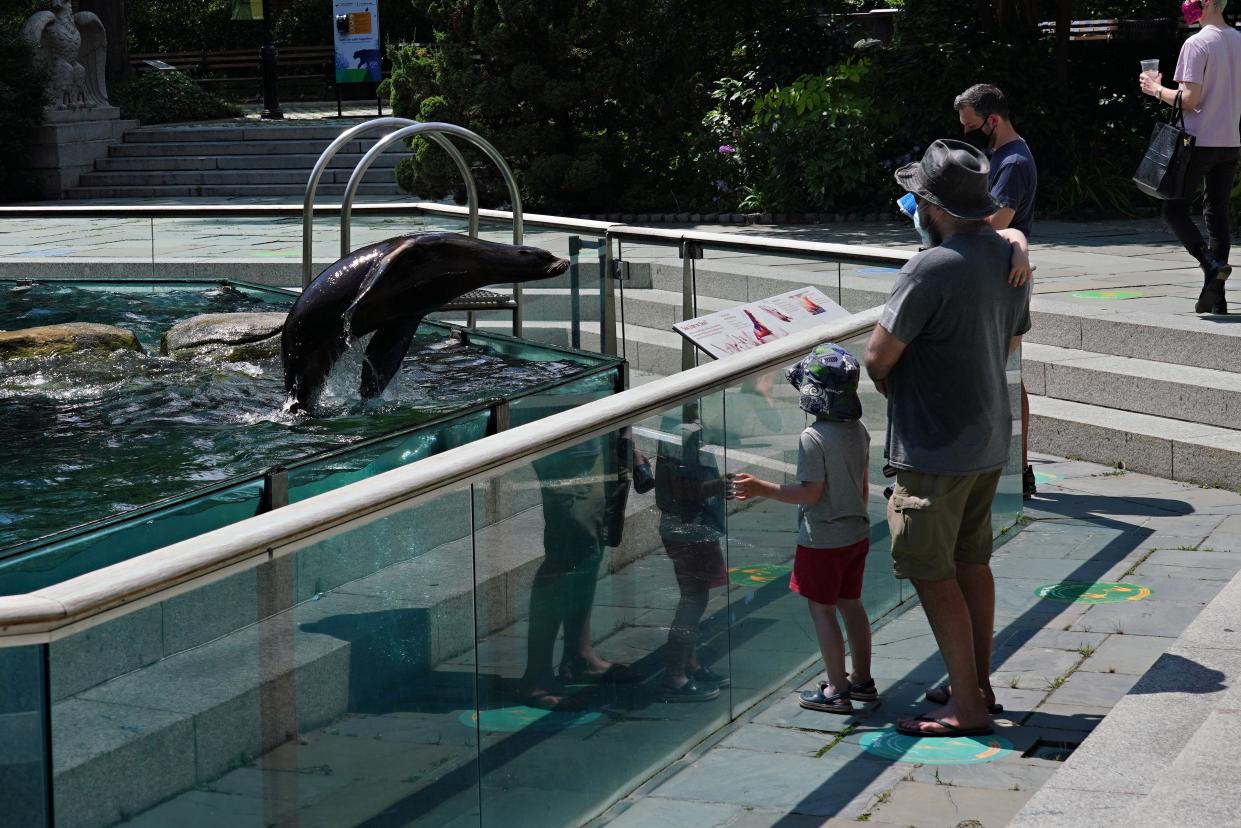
[1216, 166]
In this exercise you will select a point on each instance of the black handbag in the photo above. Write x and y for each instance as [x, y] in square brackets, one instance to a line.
[1162, 171]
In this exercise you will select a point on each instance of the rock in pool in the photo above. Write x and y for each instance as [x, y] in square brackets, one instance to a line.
[232, 337]
[65, 338]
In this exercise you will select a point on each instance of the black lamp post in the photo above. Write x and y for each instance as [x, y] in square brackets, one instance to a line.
[271, 98]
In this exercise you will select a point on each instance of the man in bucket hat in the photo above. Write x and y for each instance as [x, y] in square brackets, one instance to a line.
[939, 354]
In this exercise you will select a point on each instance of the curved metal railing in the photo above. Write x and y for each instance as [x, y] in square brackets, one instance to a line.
[312, 185]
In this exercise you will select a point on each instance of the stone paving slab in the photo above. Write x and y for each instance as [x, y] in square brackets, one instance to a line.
[1071, 664]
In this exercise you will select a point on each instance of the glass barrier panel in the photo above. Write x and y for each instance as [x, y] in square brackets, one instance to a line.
[594, 602]
[122, 538]
[251, 701]
[773, 635]
[25, 760]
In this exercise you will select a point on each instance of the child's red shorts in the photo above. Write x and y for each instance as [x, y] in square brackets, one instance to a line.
[827, 575]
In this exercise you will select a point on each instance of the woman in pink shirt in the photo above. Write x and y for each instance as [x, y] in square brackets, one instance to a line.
[1208, 74]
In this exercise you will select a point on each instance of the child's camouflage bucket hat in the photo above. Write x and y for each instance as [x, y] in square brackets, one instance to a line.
[827, 380]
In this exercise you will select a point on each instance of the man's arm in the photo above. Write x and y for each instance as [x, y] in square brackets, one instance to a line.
[1014, 343]
[1002, 219]
[1019, 271]
[882, 353]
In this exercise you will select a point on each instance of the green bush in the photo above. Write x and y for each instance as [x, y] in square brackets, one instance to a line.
[21, 111]
[169, 97]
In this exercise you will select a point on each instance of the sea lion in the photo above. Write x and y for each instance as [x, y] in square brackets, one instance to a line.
[387, 288]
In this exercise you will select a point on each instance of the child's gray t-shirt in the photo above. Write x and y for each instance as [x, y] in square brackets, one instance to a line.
[836, 453]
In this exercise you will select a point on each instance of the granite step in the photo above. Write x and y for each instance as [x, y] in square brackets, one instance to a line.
[1165, 754]
[195, 148]
[302, 162]
[1207, 455]
[222, 191]
[1161, 389]
[162, 178]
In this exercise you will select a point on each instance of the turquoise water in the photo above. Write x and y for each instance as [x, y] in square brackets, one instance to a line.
[89, 435]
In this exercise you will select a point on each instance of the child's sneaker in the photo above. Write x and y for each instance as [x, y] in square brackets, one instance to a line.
[864, 692]
[690, 691]
[817, 700]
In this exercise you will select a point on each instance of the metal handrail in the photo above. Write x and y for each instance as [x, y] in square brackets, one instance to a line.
[471, 189]
[612, 230]
[437, 131]
[68, 607]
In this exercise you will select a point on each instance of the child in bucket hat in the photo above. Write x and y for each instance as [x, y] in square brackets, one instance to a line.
[833, 524]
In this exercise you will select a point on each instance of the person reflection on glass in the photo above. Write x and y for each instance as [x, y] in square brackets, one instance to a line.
[584, 490]
[689, 492]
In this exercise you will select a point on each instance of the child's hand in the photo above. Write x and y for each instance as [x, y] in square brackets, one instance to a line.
[745, 486]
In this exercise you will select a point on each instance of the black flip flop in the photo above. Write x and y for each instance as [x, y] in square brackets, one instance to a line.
[950, 731]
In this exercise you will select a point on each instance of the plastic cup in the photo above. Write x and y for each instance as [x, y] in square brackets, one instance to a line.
[1150, 67]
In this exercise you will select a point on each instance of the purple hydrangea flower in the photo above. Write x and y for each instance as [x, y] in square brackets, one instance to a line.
[727, 149]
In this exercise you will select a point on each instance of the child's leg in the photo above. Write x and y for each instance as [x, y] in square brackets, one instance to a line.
[857, 624]
[683, 636]
[831, 644]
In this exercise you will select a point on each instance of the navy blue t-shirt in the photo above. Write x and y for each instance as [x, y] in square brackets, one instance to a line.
[1014, 179]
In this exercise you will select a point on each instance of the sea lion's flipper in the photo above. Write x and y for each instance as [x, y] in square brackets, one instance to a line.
[383, 356]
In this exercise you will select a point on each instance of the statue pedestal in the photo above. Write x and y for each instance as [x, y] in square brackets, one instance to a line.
[69, 143]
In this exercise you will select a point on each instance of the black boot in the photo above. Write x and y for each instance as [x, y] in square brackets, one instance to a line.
[1214, 271]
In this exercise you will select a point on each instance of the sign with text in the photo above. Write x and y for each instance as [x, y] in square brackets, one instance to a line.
[747, 326]
[355, 32]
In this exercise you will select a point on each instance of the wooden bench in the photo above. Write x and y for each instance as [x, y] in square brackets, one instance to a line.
[246, 65]
[1085, 31]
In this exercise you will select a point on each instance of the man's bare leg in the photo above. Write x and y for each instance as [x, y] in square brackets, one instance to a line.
[952, 626]
[978, 589]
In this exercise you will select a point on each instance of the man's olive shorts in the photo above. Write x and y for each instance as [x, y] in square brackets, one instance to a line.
[939, 519]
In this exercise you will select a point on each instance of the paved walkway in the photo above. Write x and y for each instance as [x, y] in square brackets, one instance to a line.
[1059, 668]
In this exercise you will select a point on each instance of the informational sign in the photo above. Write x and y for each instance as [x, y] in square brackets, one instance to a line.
[355, 31]
[747, 326]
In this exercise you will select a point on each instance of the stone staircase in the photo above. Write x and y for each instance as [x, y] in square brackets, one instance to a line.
[230, 160]
[1158, 393]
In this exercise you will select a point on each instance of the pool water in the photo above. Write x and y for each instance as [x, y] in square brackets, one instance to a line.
[90, 435]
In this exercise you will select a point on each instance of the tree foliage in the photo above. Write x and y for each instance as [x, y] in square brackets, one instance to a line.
[597, 106]
[21, 110]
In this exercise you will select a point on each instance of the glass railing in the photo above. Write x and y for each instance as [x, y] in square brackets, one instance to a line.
[492, 653]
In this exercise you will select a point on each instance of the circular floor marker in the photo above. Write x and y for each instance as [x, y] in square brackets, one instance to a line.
[1106, 294]
[521, 717]
[940, 750]
[758, 575]
[877, 271]
[1087, 592]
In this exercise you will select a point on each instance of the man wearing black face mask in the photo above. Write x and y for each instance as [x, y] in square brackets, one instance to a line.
[1013, 181]
[983, 112]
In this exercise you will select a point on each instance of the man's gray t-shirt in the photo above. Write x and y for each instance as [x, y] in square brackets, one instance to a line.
[952, 306]
[837, 453]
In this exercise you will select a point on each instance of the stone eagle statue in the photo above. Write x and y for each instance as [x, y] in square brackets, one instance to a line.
[74, 49]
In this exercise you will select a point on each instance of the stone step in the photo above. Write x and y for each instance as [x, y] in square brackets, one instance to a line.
[235, 133]
[1178, 392]
[298, 161]
[1172, 449]
[238, 190]
[162, 178]
[1165, 754]
[197, 148]
[1204, 342]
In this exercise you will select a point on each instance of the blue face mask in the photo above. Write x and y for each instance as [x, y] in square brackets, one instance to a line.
[923, 233]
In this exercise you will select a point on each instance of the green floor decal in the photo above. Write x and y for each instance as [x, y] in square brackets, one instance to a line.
[758, 575]
[1045, 477]
[938, 750]
[1086, 592]
[1107, 294]
[521, 717]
